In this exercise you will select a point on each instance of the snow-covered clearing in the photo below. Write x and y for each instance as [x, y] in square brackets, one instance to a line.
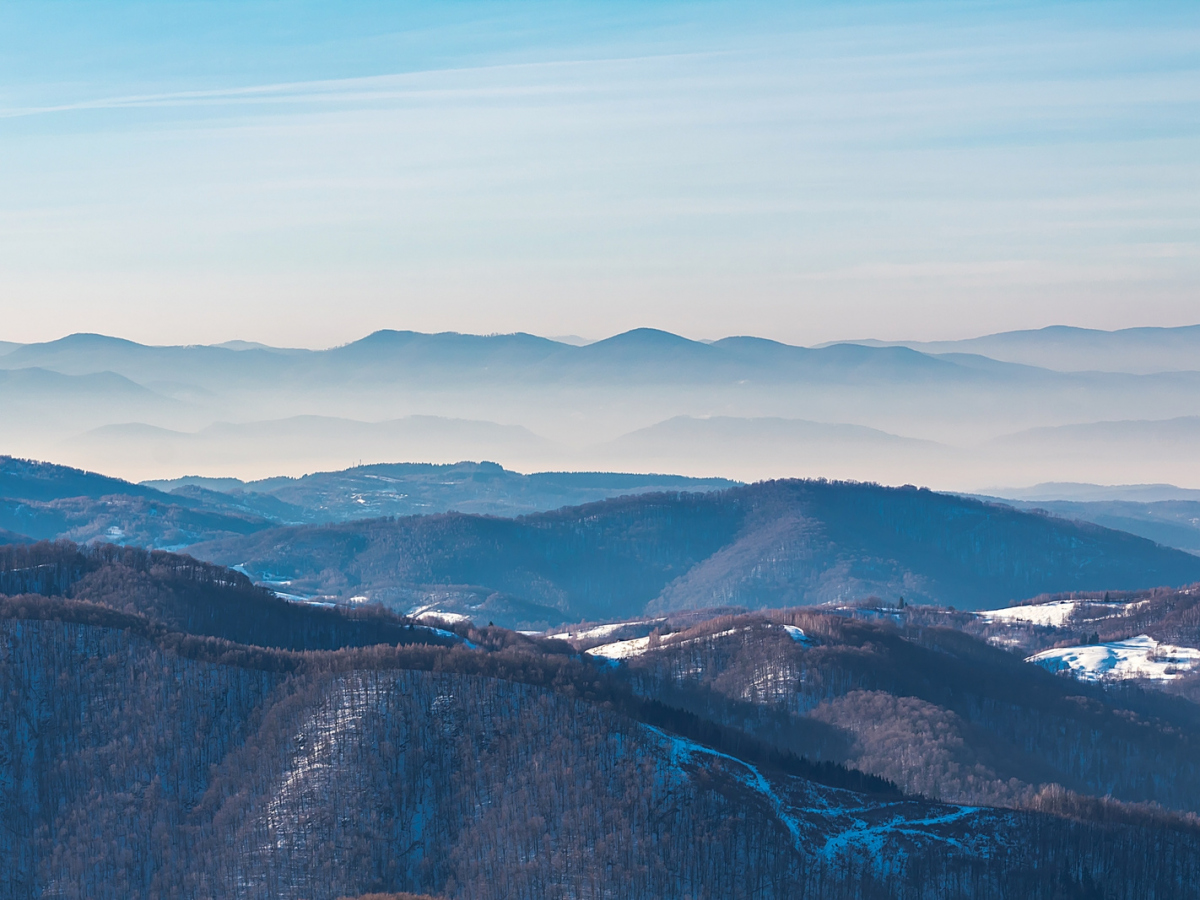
[603, 631]
[638, 646]
[1054, 614]
[307, 601]
[621, 649]
[431, 611]
[435, 616]
[1136, 657]
[1057, 613]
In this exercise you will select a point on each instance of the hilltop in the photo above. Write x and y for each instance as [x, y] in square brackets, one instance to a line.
[772, 544]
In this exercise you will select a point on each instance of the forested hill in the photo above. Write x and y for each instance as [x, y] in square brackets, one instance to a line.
[772, 544]
[395, 489]
[144, 763]
[44, 501]
[936, 711]
[26, 479]
[179, 594]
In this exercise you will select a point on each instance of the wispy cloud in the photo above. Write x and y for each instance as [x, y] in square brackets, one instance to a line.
[797, 180]
[509, 80]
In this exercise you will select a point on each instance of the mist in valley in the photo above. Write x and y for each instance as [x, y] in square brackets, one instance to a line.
[639, 402]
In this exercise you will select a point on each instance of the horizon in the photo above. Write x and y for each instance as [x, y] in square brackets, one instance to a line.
[579, 341]
[1015, 408]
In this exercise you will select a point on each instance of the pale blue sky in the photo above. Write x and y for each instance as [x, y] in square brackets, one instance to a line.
[304, 173]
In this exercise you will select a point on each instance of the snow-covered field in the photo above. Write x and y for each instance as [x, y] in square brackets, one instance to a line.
[621, 649]
[1058, 613]
[637, 646]
[1136, 657]
[434, 616]
[1054, 614]
[603, 631]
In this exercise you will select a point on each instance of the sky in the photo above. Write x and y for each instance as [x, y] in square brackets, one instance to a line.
[303, 173]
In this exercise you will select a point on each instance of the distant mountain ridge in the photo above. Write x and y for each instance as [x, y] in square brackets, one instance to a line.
[24, 479]
[957, 419]
[522, 355]
[1134, 350]
[326, 440]
[419, 488]
[43, 501]
[1084, 492]
[1173, 523]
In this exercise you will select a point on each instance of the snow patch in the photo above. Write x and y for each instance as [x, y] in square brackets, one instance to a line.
[621, 649]
[1057, 613]
[307, 601]
[1053, 615]
[435, 616]
[442, 632]
[603, 631]
[872, 836]
[798, 635]
[1136, 657]
[638, 646]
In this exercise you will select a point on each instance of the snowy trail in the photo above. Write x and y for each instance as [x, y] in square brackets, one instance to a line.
[683, 749]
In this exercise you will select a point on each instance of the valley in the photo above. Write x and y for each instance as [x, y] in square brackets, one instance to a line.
[738, 408]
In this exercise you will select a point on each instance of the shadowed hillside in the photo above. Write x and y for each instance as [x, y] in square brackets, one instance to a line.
[767, 545]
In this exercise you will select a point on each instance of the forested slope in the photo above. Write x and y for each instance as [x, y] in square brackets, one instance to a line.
[160, 739]
[936, 711]
[138, 765]
[181, 594]
[772, 544]
[47, 502]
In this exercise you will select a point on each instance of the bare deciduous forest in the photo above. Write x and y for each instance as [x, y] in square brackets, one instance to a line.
[144, 758]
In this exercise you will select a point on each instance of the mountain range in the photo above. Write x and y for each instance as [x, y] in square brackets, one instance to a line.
[1069, 349]
[952, 420]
